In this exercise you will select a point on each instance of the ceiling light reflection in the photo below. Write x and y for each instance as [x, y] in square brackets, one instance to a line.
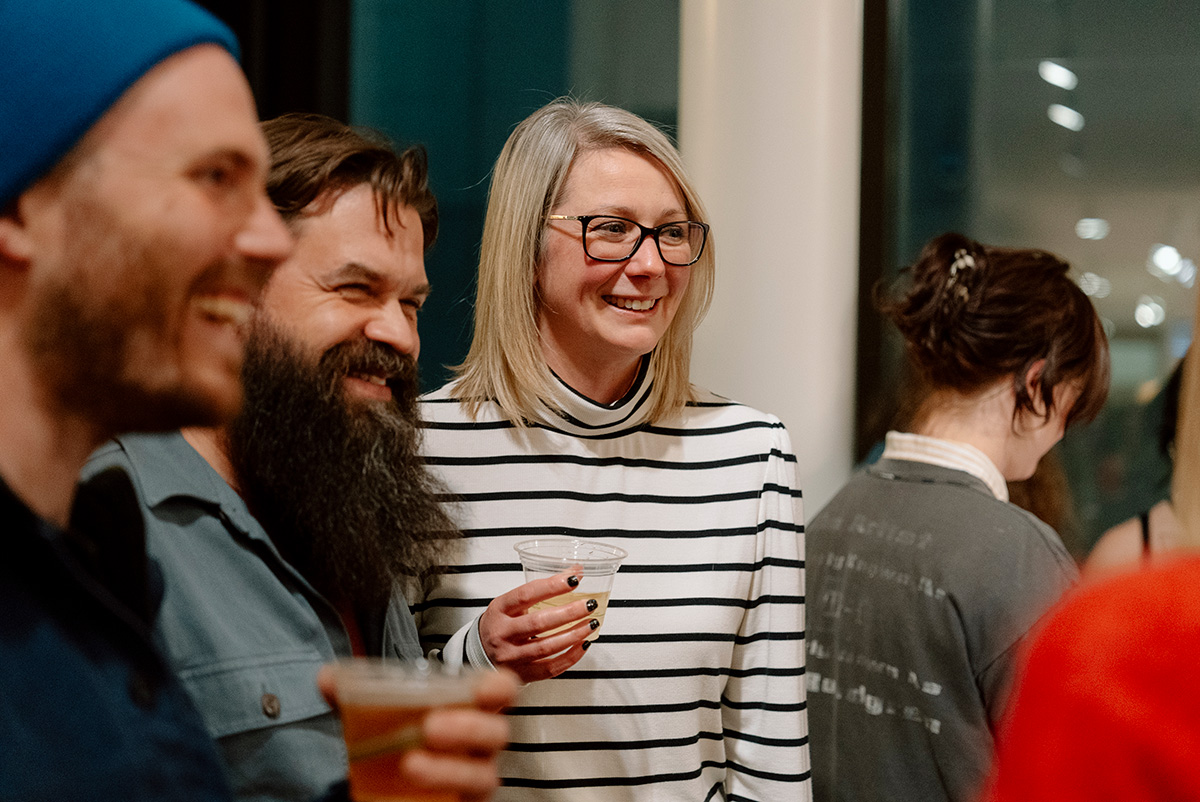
[1095, 286]
[1057, 74]
[1165, 261]
[1187, 274]
[1149, 312]
[1065, 116]
[1091, 228]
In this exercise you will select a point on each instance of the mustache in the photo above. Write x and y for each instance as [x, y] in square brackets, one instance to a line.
[369, 356]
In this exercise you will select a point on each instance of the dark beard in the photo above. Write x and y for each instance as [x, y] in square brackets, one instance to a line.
[338, 483]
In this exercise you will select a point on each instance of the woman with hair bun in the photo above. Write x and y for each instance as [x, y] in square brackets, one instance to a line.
[924, 579]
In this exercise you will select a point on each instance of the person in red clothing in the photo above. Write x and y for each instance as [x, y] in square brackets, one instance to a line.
[1107, 706]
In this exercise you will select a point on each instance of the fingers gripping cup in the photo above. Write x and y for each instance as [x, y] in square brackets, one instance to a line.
[383, 705]
[548, 556]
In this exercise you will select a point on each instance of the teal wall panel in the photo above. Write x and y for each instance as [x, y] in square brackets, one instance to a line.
[455, 76]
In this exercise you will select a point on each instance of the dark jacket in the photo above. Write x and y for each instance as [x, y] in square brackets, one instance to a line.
[88, 709]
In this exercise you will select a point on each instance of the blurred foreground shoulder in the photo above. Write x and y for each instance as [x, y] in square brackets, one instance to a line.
[1104, 708]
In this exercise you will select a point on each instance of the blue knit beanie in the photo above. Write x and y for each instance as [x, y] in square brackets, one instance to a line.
[63, 63]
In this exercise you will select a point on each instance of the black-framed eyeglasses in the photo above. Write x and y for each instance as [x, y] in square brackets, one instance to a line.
[607, 238]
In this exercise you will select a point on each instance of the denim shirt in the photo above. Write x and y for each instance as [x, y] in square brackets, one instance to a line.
[88, 709]
[244, 631]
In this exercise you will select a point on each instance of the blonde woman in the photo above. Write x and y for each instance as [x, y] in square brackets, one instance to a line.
[573, 415]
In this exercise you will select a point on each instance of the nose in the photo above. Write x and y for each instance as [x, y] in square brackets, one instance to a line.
[264, 240]
[393, 325]
[646, 260]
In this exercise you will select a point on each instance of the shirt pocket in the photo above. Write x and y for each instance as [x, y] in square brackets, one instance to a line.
[247, 693]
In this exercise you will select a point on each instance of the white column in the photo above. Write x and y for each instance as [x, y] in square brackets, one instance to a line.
[769, 125]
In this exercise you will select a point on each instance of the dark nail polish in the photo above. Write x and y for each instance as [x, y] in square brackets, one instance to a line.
[592, 605]
[593, 623]
[585, 645]
[573, 581]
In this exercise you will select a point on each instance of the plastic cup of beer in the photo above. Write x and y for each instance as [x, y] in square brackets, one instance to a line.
[383, 704]
[548, 556]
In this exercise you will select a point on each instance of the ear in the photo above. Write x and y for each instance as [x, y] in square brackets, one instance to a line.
[16, 246]
[1033, 386]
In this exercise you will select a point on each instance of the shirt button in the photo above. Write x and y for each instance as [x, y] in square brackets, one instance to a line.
[270, 705]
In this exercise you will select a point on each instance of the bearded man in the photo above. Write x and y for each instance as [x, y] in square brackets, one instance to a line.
[287, 536]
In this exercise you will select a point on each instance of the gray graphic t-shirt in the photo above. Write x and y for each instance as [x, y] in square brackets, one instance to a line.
[921, 585]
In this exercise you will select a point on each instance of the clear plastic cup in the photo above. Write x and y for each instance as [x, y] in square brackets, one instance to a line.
[547, 556]
[383, 704]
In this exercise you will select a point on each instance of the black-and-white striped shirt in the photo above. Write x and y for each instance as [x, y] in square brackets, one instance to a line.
[695, 688]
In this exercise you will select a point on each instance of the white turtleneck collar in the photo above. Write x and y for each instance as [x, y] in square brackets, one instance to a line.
[583, 416]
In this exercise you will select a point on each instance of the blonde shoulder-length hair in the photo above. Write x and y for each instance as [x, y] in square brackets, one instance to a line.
[505, 363]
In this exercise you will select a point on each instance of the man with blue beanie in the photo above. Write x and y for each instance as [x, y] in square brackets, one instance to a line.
[135, 237]
[135, 233]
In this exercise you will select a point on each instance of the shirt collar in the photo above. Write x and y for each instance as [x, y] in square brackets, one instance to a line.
[168, 467]
[946, 454]
[582, 416]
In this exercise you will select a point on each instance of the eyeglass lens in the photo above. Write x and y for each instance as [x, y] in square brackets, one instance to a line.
[616, 239]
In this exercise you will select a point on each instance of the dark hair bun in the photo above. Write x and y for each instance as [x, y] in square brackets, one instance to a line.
[972, 314]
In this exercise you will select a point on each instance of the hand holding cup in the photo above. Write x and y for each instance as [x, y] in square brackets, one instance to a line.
[543, 627]
[417, 732]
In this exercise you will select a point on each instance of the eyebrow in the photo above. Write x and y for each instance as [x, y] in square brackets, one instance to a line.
[238, 157]
[352, 271]
[670, 215]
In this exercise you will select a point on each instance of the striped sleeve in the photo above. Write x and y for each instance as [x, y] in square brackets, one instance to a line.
[764, 708]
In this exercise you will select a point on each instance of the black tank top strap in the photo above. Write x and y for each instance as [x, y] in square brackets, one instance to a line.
[1144, 518]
